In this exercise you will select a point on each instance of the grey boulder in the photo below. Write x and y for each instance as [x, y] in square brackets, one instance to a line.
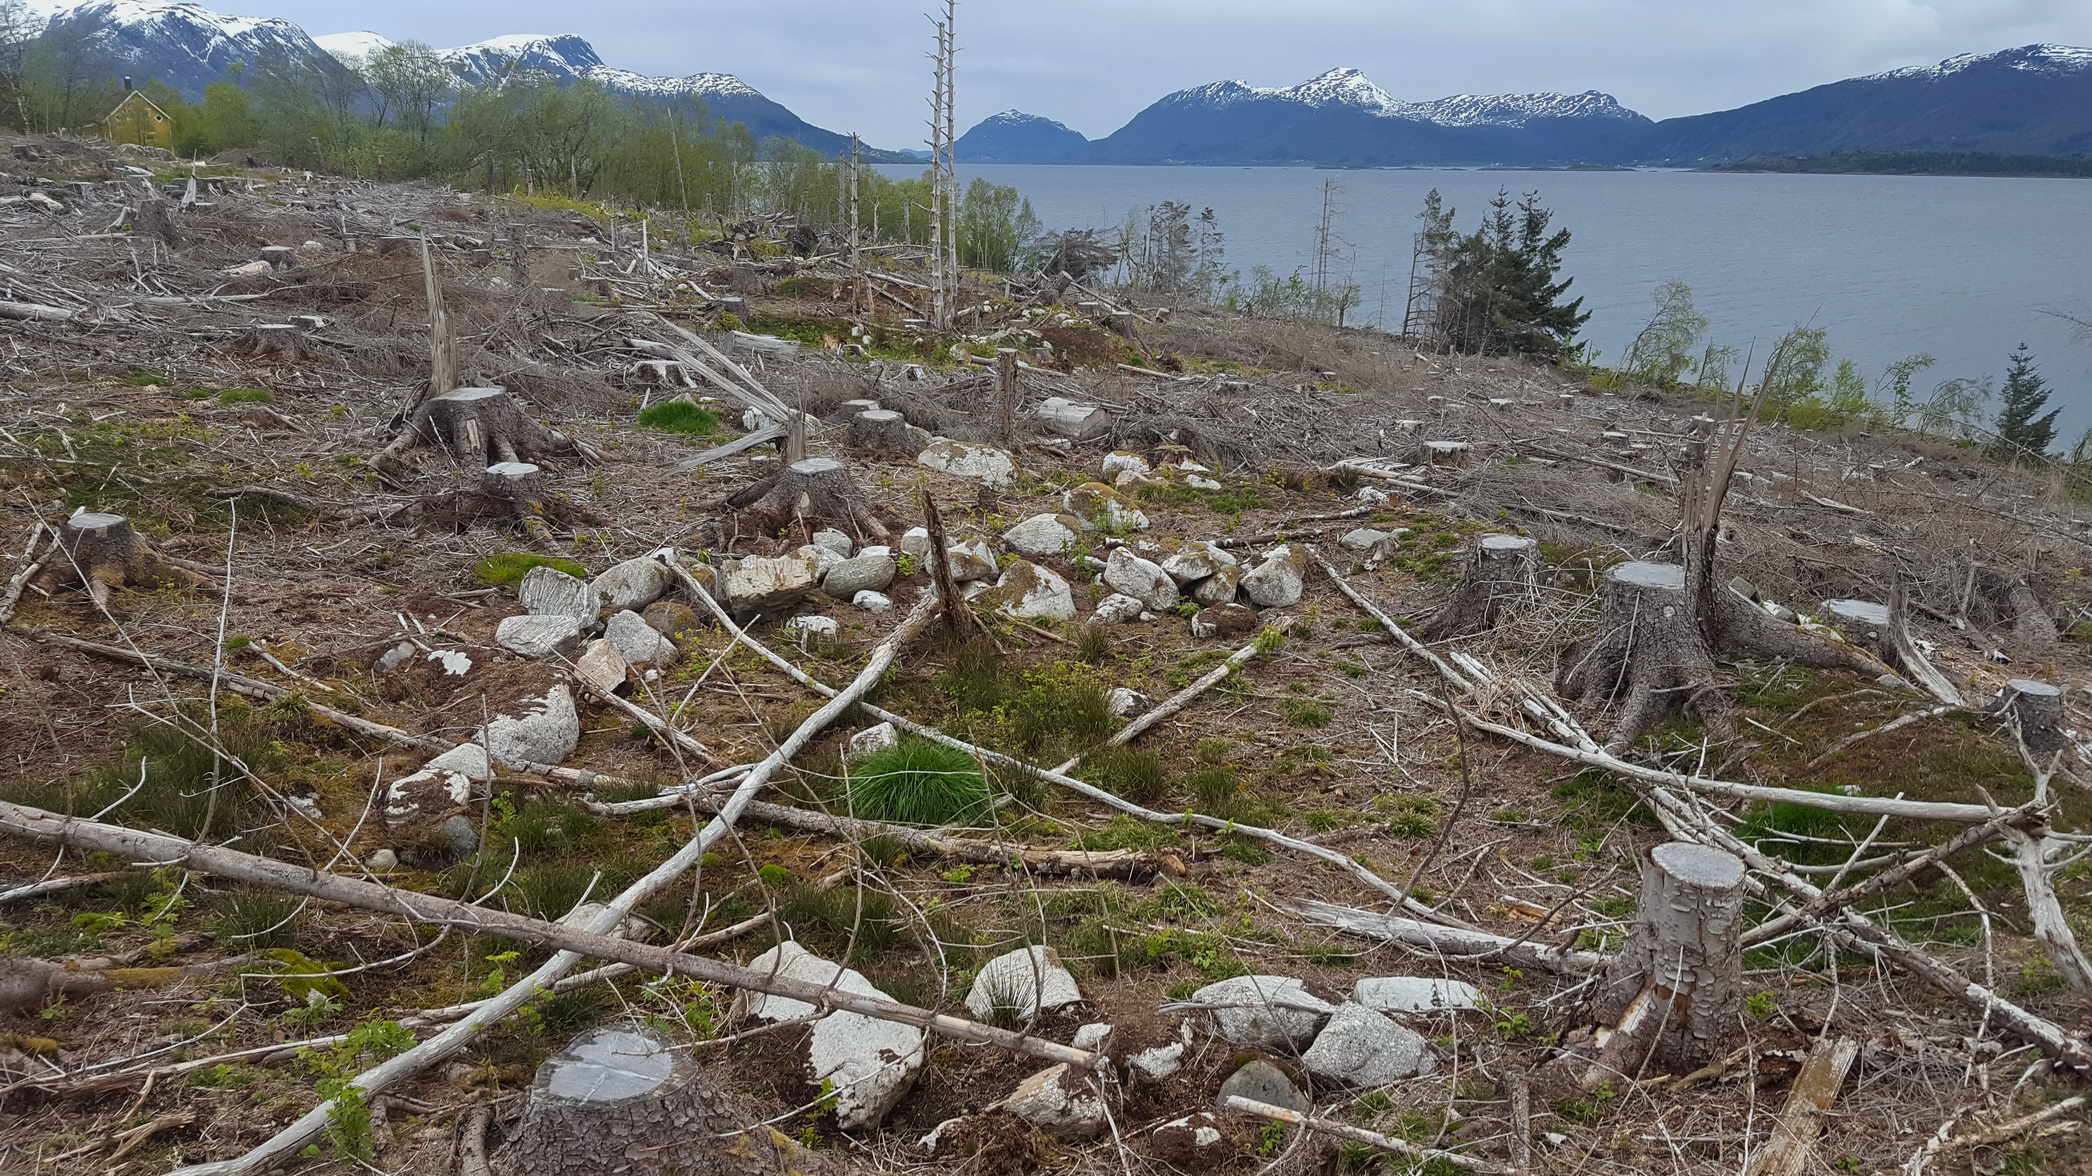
[1268, 1012]
[633, 584]
[1364, 1048]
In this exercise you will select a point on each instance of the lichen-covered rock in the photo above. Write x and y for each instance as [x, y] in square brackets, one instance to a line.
[671, 618]
[546, 734]
[602, 666]
[549, 592]
[1143, 580]
[1022, 982]
[1224, 620]
[1279, 581]
[758, 583]
[1057, 1101]
[825, 628]
[1219, 588]
[1416, 994]
[873, 602]
[1034, 593]
[1363, 1048]
[915, 542]
[825, 558]
[1260, 1081]
[1364, 539]
[1120, 461]
[533, 636]
[862, 573]
[971, 459]
[869, 1063]
[971, 559]
[1124, 702]
[1196, 561]
[835, 541]
[443, 782]
[1101, 506]
[1043, 534]
[874, 739]
[1117, 609]
[633, 584]
[1268, 1012]
[640, 642]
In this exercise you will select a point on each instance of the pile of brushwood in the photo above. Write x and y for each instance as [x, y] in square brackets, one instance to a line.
[495, 688]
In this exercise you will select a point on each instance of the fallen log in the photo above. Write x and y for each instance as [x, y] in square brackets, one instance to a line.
[1793, 1141]
[1451, 941]
[158, 849]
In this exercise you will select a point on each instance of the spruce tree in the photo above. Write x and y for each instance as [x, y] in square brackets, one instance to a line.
[2024, 431]
[1498, 289]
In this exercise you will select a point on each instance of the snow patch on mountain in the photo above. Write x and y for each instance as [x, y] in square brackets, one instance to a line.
[2041, 58]
[1346, 87]
[353, 47]
[701, 85]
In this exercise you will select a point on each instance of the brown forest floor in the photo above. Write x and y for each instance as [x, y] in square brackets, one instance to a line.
[1320, 739]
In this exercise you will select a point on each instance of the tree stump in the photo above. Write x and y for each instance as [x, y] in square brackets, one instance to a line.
[2036, 709]
[511, 491]
[1862, 622]
[481, 427]
[1672, 998]
[819, 491]
[154, 220]
[623, 1101]
[1502, 571]
[1648, 655]
[882, 430]
[2000, 599]
[275, 342]
[102, 552]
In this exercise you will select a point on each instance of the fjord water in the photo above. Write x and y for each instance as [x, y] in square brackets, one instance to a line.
[1959, 268]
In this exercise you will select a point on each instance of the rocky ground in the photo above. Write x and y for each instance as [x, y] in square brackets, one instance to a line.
[319, 612]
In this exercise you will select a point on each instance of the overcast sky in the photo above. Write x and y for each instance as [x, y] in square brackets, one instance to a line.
[860, 65]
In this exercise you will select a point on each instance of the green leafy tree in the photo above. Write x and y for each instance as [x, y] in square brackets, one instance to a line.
[2024, 431]
[1663, 349]
[1501, 292]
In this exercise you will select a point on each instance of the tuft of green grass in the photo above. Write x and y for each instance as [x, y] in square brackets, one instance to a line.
[246, 396]
[505, 568]
[917, 782]
[1217, 790]
[1129, 772]
[253, 920]
[142, 380]
[680, 416]
[1093, 644]
[172, 780]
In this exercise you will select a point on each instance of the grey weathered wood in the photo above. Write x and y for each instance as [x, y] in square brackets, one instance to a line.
[1793, 1141]
[762, 436]
[1672, 997]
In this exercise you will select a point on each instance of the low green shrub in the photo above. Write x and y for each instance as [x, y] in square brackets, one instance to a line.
[680, 416]
[916, 782]
[504, 568]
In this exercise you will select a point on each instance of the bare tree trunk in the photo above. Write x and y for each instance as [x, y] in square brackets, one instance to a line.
[1673, 997]
[953, 606]
[1502, 571]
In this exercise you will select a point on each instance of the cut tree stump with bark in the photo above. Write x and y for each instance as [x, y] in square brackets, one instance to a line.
[156, 219]
[1999, 599]
[882, 430]
[481, 427]
[508, 491]
[2036, 710]
[1502, 571]
[818, 491]
[1648, 656]
[101, 552]
[624, 1099]
[1672, 999]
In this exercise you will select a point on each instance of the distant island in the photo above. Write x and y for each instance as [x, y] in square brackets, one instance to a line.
[1918, 163]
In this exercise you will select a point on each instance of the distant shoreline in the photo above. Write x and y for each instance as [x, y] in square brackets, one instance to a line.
[1919, 163]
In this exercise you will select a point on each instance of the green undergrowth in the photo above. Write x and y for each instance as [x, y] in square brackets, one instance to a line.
[917, 782]
[146, 469]
[680, 416]
[507, 568]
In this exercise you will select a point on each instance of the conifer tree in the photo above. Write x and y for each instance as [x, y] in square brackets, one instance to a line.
[2024, 431]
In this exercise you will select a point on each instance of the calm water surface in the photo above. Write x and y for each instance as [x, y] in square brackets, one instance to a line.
[1959, 268]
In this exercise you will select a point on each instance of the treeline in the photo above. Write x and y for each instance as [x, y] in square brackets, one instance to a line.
[403, 114]
[1919, 163]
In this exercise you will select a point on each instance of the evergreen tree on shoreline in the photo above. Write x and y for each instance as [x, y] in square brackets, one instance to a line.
[2023, 430]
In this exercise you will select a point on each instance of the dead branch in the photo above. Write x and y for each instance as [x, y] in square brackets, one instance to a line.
[1361, 1135]
[1794, 1134]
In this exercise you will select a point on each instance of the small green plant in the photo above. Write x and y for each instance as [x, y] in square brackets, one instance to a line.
[680, 416]
[729, 322]
[773, 874]
[1760, 1004]
[1130, 772]
[1305, 712]
[142, 380]
[1270, 1138]
[504, 568]
[246, 396]
[1093, 644]
[918, 782]
[348, 1119]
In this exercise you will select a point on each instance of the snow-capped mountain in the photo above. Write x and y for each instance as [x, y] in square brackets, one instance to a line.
[1016, 137]
[1343, 118]
[566, 57]
[2033, 100]
[186, 46]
